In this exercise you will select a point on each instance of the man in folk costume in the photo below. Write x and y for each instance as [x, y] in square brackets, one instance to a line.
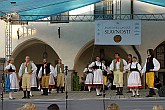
[151, 65]
[98, 68]
[118, 66]
[25, 71]
[45, 70]
[59, 71]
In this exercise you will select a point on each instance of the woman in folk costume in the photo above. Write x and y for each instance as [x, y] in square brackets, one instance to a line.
[129, 60]
[52, 80]
[134, 80]
[89, 78]
[98, 68]
[11, 84]
[151, 65]
[33, 82]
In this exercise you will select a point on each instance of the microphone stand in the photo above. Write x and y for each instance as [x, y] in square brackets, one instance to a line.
[103, 94]
[66, 91]
[3, 88]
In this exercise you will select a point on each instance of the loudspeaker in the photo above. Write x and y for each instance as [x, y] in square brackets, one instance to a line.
[161, 91]
[2, 60]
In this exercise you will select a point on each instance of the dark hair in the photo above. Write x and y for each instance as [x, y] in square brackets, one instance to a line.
[134, 57]
[117, 53]
[151, 52]
[130, 55]
[53, 107]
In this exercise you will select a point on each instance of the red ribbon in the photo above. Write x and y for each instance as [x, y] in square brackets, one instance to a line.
[118, 59]
[44, 65]
[26, 64]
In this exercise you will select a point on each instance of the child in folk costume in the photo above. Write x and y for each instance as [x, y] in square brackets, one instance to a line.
[98, 67]
[11, 84]
[134, 80]
[151, 65]
[89, 77]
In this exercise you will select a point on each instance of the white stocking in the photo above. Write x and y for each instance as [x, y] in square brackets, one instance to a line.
[89, 88]
[10, 95]
[133, 92]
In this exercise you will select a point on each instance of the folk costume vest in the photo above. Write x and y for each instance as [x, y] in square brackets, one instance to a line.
[29, 67]
[134, 69]
[121, 65]
[97, 67]
[150, 64]
[60, 66]
[47, 67]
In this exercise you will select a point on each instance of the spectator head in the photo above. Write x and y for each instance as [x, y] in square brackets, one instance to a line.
[113, 106]
[28, 106]
[53, 107]
[157, 107]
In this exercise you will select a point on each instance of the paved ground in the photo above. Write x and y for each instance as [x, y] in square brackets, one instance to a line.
[83, 100]
[80, 95]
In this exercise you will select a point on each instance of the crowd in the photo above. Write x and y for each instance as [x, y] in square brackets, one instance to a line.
[111, 106]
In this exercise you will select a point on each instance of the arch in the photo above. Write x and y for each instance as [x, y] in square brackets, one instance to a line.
[35, 49]
[85, 53]
[160, 55]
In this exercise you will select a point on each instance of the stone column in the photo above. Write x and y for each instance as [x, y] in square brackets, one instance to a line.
[69, 80]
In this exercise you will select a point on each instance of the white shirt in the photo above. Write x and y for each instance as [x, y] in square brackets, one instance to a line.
[34, 69]
[156, 65]
[111, 67]
[133, 65]
[56, 70]
[51, 71]
[96, 63]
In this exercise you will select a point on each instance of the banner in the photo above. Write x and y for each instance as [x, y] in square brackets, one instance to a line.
[117, 32]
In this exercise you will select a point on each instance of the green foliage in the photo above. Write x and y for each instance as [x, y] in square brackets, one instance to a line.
[75, 82]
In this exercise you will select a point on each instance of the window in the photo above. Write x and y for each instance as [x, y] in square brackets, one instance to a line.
[160, 55]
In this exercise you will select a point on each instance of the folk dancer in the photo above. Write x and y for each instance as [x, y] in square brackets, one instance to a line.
[11, 84]
[45, 71]
[89, 78]
[25, 72]
[129, 60]
[151, 65]
[59, 73]
[118, 66]
[134, 79]
[98, 68]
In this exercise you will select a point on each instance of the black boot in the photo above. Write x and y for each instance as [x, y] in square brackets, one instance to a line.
[24, 97]
[117, 91]
[43, 92]
[46, 91]
[150, 93]
[28, 94]
[153, 92]
[121, 90]
[62, 89]
[57, 89]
